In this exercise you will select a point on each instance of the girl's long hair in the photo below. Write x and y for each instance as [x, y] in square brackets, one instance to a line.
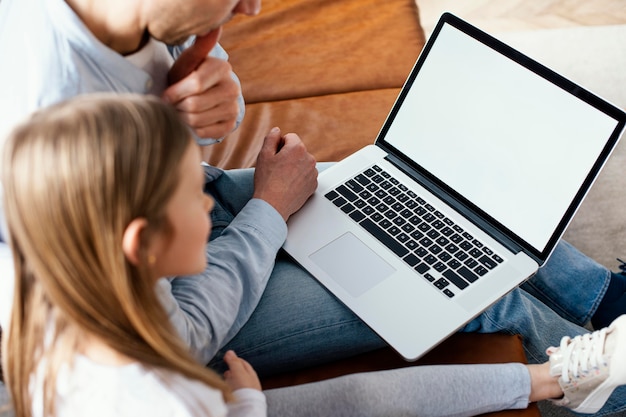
[75, 175]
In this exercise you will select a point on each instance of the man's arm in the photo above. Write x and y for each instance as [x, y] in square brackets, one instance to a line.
[208, 309]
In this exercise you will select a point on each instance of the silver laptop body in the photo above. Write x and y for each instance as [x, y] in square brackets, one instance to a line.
[477, 171]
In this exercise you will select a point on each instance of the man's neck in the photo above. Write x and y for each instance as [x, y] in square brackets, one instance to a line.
[113, 22]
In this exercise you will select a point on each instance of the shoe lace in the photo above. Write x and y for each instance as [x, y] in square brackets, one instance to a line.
[622, 266]
[582, 353]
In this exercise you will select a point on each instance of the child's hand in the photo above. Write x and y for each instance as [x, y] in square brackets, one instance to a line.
[240, 373]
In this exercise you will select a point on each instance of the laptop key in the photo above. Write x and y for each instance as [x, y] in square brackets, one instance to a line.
[424, 227]
[488, 262]
[386, 224]
[445, 256]
[446, 231]
[399, 221]
[362, 179]
[467, 274]
[480, 270]
[421, 268]
[384, 238]
[470, 262]
[339, 201]
[357, 216]
[430, 259]
[354, 186]
[454, 264]
[331, 195]
[393, 230]
[402, 238]
[441, 283]
[411, 259]
[438, 224]
[344, 191]
[461, 256]
[452, 248]
[439, 266]
[348, 208]
[435, 249]
[455, 279]
[433, 234]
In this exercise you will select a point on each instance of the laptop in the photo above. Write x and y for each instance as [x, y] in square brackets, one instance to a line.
[479, 167]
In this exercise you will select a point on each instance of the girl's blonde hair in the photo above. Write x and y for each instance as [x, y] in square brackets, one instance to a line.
[75, 175]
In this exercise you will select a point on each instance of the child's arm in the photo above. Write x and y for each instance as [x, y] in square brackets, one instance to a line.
[243, 380]
[240, 373]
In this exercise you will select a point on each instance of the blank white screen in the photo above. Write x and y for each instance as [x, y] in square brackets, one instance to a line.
[509, 141]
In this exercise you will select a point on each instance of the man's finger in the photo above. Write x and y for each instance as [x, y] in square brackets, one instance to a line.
[193, 56]
[273, 141]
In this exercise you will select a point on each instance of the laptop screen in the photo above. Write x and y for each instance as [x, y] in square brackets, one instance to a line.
[501, 136]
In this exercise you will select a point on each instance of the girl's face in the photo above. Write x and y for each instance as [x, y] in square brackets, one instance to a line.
[182, 249]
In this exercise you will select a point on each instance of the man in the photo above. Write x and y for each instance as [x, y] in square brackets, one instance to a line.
[54, 49]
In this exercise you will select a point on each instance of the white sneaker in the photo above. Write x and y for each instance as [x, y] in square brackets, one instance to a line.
[590, 367]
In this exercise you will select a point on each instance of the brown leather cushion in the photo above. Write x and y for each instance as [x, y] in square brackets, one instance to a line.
[304, 48]
[460, 348]
[328, 70]
[359, 116]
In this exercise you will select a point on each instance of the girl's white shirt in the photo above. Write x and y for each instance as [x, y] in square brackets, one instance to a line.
[88, 388]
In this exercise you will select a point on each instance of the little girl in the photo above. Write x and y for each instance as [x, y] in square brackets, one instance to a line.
[104, 197]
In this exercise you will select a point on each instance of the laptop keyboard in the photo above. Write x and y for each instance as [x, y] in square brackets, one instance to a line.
[422, 236]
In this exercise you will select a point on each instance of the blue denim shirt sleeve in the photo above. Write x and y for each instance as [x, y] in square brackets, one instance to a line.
[210, 308]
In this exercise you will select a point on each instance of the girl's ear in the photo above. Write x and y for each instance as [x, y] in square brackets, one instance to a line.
[131, 241]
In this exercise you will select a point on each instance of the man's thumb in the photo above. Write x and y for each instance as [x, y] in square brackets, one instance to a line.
[193, 56]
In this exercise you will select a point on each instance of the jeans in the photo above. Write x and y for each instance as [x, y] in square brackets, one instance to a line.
[298, 323]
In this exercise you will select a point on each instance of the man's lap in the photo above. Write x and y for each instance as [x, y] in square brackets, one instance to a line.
[298, 323]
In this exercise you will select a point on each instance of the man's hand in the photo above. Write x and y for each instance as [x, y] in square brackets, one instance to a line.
[285, 174]
[240, 373]
[203, 90]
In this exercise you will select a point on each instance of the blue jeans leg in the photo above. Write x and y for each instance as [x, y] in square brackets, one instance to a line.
[521, 313]
[570, 283]
[297, 324]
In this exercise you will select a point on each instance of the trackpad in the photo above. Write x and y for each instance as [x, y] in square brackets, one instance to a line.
[352, 264]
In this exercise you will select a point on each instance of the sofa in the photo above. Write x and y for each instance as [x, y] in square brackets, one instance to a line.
[330, 71]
